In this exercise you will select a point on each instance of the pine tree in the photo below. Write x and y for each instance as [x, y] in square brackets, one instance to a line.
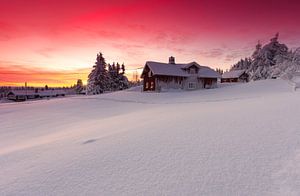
[220, 71]
[98, 79]
[118, 80]
[243, 64]
[288, 65]
[265, 58]
[257, 50]
[114, 66]
[123, 69]
[79, 86]
[118, 68]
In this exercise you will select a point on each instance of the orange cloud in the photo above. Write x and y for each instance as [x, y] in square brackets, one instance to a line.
[17, 75]
[13, 74]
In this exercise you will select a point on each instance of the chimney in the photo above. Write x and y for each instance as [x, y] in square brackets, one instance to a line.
[172, 60]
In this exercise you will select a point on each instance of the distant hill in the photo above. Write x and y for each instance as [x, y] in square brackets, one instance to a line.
[271, 60]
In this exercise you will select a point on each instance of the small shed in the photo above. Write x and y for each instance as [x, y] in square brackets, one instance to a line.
[235, 76]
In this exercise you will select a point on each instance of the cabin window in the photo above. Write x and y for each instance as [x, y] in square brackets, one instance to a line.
[147, 85]
[152, 85]
[149, 74]
[192, 85]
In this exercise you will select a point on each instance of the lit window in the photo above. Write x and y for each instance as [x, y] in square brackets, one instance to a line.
[147, 85]
[152, 85]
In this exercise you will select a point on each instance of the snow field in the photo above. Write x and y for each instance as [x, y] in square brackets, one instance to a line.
[239, 139]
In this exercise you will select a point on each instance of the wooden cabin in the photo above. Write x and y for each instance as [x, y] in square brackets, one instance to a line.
[22, 95]
[235, 76]
[191, 76]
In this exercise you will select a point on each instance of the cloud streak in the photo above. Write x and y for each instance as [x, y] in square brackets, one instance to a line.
[63, 34]
[17, 74]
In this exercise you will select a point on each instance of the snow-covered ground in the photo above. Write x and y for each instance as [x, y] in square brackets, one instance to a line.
[241, 139]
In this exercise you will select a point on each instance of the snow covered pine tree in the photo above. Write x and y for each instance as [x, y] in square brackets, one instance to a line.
[79, 86]
[268, 61]
[264, 59]
[121, 79]
[118, 80]
[98, 79]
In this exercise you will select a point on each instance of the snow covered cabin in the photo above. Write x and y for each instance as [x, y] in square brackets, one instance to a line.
[163, 76]
[235, 76]
[22, 95]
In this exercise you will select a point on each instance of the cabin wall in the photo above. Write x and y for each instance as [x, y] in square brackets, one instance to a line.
[168, 82]
[208, 83]
[190, 83]
[149, 83]
[214, 83]
[243, 78]
[229, 80]
[192, 79]
[14, 97]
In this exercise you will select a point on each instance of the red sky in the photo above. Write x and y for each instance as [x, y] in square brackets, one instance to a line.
[55, 42]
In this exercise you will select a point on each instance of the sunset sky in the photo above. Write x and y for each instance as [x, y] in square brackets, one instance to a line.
[55, 42]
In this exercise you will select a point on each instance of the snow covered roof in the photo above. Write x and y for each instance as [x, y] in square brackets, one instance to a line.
[43, 92]
[23, 92]
[184, 66]
[207, 72]
[167, 69]
[233, 74]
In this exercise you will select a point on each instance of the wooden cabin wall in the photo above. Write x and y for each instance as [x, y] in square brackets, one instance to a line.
[149, 83]
[169, 82]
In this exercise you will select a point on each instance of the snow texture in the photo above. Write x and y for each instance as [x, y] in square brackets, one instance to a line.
[239, 139]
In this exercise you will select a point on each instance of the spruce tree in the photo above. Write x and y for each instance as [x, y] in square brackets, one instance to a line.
[123, 69]
[79, 86]
[98, 79]
[118, 68]
[265, 58]
[118, 80]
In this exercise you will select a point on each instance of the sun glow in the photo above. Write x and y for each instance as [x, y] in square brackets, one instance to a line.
[60, 47]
